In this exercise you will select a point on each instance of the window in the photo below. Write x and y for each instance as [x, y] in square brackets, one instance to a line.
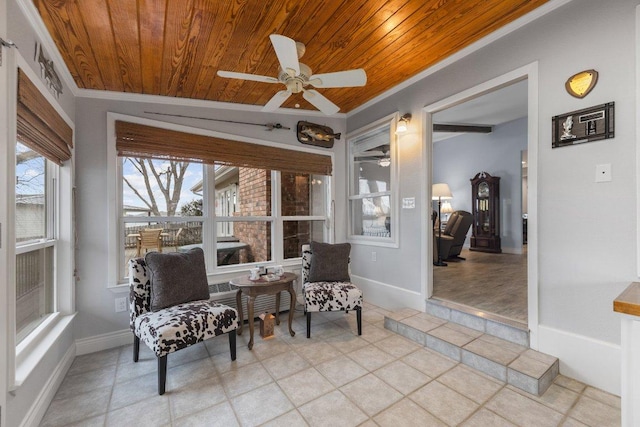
[303, 204]
[159, 195]
[240, 213]
[35, 239]
[372, 199]
[42, 212]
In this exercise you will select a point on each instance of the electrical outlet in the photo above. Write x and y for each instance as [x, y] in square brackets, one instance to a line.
[121, 304]
[374, 257]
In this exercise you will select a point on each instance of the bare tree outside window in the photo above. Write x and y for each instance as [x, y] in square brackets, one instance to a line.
[159, 179]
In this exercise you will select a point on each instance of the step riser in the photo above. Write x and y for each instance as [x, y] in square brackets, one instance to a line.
[487, 326]
[506, 374]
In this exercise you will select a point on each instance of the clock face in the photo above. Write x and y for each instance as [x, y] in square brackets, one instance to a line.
[483, 189]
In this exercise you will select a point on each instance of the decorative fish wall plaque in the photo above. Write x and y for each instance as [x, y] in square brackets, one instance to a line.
[48, 72]
[317, 135]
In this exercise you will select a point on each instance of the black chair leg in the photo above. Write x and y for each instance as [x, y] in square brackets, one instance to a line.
[232, 344]
[136, 348]
[359, 319]
[162, 374]
[308, 324]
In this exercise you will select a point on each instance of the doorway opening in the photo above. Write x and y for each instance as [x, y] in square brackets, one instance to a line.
[483, 134]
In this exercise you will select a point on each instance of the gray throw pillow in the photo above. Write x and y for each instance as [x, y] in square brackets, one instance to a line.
[329, 263]
[177, 278]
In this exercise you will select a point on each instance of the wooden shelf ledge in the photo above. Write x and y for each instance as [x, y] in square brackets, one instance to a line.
[628, 302]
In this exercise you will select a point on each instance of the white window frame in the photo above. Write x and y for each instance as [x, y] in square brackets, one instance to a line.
[22, 359]
[215, 273]
[393, 193]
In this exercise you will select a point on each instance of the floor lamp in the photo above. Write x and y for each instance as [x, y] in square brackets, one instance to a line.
[440, 192]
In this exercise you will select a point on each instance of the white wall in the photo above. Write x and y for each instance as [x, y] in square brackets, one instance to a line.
[586, 250]
[458, 159]
[96, 314]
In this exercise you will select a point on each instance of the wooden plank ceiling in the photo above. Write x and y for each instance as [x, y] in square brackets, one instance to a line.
[175, 47]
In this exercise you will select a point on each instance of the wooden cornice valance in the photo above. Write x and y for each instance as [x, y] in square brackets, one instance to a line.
[137, 140]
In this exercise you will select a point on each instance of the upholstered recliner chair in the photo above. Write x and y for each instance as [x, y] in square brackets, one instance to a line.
[453, 236]
[170, 309]
[326, 283]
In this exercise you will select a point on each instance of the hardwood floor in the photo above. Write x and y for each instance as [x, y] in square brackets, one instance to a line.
[495, 283]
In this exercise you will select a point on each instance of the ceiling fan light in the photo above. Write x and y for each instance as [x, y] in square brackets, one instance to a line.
[384, 162]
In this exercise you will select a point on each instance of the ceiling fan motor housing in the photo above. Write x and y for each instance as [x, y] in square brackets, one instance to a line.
[296, 83]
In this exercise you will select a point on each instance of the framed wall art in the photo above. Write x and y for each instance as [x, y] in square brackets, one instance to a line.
[587, 125]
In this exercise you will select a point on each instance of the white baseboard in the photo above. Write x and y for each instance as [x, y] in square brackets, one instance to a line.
[42, 402]
[594, 362]
[103, 342]
[387, 296]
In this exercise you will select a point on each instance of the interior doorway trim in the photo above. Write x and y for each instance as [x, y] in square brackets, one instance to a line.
[530, 73]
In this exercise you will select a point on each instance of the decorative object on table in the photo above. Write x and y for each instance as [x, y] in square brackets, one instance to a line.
[580, 84]
[587, 125]
[316, 135]
[269, 126]
[485, 202]
[296, 76]
[326, 285]
[267, 325]
[184, 316]
[440, 192]
[254, 273]
[276, 270]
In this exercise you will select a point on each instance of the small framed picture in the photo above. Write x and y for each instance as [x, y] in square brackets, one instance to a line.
[578, 127]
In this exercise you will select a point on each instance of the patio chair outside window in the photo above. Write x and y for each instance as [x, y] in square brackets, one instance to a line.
[149, 238]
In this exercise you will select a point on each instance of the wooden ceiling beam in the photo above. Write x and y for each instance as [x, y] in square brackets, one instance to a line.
[462, 128]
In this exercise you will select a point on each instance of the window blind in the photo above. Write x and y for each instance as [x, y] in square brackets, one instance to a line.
[40, 127]
[137, 140]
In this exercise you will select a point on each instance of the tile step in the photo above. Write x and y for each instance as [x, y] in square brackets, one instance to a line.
[506, 329]
[504, 360]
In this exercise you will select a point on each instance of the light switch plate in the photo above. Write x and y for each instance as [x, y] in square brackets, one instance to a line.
[603, 172]
[409, 203]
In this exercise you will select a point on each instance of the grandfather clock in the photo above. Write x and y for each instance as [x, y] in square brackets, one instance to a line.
[485, 202]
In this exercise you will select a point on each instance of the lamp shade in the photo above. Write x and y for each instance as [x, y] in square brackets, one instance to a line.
[446, 207]
[441, 191]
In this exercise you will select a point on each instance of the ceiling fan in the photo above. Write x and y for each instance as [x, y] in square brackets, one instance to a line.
[379, 155]
[296, 76]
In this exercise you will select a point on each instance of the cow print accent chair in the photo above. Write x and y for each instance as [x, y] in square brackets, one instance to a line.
[173, 328]
[336, 293]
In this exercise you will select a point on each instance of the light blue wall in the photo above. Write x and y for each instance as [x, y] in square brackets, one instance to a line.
[458, 159]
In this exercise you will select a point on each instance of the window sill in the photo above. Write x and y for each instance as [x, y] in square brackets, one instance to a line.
[373, 241]
[223, 274]
[33, 348]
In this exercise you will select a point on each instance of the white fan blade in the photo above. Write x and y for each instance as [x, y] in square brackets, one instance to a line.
[245, 76]
[320, 102]
[349, 78]
[276, 101]
[287, 53]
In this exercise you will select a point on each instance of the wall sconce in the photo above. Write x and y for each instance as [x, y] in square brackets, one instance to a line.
[403, 123]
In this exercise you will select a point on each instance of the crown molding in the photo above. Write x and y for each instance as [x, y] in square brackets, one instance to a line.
[189, 102]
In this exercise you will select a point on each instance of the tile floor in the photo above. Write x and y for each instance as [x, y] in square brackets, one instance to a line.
[334, 379]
